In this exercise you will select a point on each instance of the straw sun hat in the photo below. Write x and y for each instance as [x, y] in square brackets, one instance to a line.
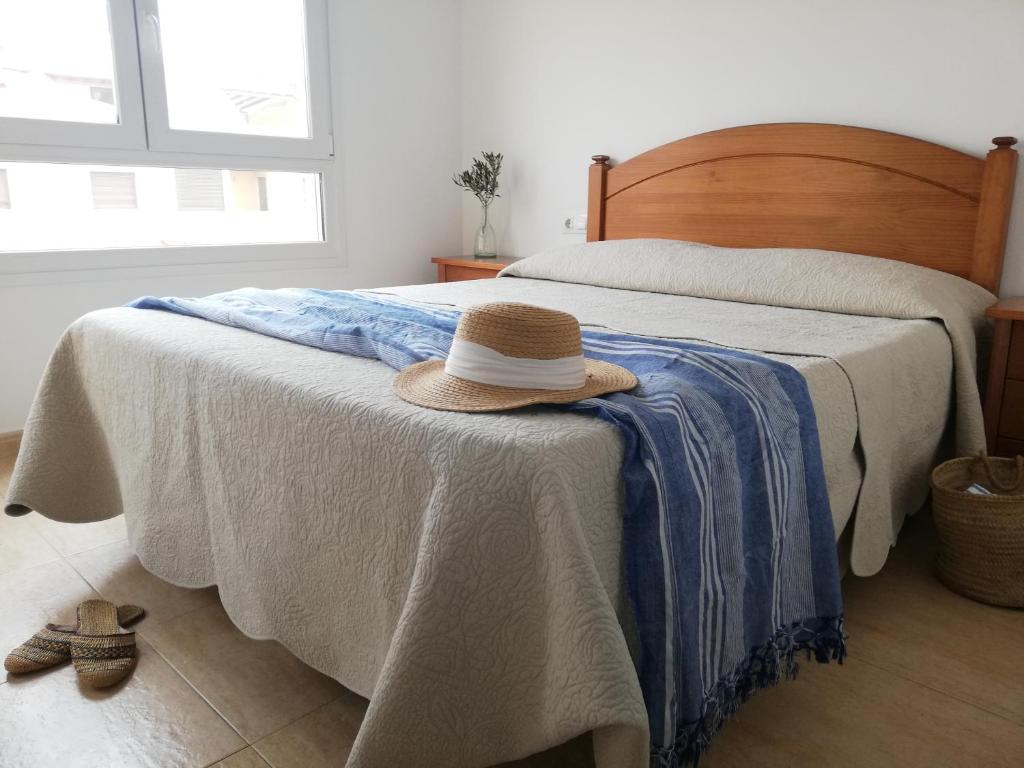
[506, 356]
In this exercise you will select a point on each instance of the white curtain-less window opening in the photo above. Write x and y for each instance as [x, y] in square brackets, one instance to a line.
[161, 132]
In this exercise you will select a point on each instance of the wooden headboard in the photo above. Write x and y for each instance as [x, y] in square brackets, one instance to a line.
[808, 185]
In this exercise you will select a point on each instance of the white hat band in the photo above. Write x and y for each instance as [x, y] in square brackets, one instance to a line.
[475, 362]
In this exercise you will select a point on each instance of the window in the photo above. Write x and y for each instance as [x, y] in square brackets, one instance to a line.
[193, 122]
[113, 189]
[157, 207]
[199, 189]
[260, 88]
[50, 62]
[234, 76]
[69, 74]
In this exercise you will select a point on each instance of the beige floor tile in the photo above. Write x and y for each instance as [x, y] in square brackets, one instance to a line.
[116, 573]
[8, 454]
[32, 597]
[21, 546]
[321, 739]
[152, 720]
[257, 685]
[247, 758]
[858, 716]
[70, 538]
[905, 621]
[324, 738]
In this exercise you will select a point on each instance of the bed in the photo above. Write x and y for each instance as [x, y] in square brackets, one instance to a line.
[348, 525]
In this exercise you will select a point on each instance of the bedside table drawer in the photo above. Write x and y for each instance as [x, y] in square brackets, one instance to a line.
[454, 274]
[1015, 362]
[1007, 447]
[1011, 423]
[1004, 395]
[469, 268]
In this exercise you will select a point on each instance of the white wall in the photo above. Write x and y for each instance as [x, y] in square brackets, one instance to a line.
[396, 118]
[551, 83]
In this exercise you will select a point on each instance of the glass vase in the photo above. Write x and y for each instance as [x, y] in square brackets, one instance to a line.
[486, 246]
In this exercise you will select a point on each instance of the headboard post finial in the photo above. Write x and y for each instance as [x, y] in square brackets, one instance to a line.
[598, 188]
[994, 213]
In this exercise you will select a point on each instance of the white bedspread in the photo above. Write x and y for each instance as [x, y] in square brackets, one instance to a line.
[462, 571]
[884, 375]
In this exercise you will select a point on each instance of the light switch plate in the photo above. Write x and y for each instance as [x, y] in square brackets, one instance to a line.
[575, 224]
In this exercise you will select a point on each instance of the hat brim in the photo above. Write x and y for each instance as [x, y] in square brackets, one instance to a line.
[428, 385]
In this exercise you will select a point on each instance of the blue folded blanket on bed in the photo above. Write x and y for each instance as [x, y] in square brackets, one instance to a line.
[729, 545]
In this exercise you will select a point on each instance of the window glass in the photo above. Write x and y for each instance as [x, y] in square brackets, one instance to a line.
[113, 189]
[230, 69]
[102, 207]
[56, 61]
[199, 189]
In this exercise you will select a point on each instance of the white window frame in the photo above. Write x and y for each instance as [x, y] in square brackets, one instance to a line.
[139, 139]
[6, 188]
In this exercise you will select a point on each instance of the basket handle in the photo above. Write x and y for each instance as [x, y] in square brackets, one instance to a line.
[1010, 488]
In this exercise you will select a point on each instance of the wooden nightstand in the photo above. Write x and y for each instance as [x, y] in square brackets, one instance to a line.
[1004, 398]
[468, 268]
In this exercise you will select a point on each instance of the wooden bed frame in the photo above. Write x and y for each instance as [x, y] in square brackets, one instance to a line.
[808, 185]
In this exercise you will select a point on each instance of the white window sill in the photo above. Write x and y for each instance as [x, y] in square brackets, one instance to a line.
[56, 267]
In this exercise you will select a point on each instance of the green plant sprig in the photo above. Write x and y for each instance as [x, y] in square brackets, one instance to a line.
[482, 177]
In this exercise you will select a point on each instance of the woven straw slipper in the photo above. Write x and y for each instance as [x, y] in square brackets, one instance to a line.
[52, 644]
[103, 654]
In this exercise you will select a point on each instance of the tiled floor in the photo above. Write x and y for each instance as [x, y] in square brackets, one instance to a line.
[932, 679]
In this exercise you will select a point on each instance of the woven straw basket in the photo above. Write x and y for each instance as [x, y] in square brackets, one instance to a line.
[981, 538]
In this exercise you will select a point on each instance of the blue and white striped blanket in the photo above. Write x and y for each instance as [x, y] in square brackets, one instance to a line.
[729, 546]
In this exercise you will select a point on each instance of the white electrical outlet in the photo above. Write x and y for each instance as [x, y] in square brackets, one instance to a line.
[575, 224]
